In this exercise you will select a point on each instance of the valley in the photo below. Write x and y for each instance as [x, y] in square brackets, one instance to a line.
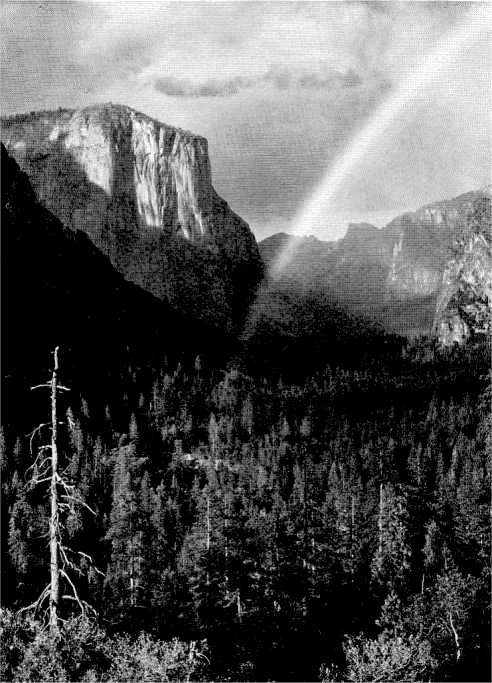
[265, 474]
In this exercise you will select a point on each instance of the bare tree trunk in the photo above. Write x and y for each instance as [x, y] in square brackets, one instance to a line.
[352, 532]
[54, 564]
[380, 519]
[226, 543]
[455, 634]
[132, 559]
[208, 537]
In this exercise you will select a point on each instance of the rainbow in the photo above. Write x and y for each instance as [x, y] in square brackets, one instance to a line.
[439, 60]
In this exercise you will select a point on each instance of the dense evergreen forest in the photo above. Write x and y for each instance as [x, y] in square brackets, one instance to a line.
[254, 526]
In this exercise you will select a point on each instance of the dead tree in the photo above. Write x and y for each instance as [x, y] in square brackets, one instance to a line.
[62, 500]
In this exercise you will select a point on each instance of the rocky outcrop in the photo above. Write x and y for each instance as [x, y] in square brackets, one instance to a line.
[143, 193]
[464, 306]
[421, 243]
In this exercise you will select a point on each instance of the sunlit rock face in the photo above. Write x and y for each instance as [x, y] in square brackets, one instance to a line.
[464, 305]
[143, 192]
[421, 243]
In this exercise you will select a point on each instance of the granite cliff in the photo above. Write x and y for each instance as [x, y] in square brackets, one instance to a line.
[421, 244]
[143, 193]
[464, 305]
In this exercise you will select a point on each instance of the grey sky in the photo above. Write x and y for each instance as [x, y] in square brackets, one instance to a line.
[278, 88]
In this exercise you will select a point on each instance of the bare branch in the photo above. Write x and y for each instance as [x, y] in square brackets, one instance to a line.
[25, 609]
[456, 639]
[66, 561]
[91, 560]
[75, 594]
[40, 473]
[31, 434]
[37, 604]
[80, 502]
[83, 602]
[62, 482]
[40, 451]
[69, 597]
[43, 618]
[42, 535]
[64, 557]
[40, 386]
[35, 482]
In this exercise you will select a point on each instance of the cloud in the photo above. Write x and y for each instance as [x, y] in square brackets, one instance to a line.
[348, 79]
[181, 87]
[209, 50]
[277, 77]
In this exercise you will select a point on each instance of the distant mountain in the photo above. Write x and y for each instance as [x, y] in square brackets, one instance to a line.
[57, 288]
[307, 250]
[142, 191]
[390, 276]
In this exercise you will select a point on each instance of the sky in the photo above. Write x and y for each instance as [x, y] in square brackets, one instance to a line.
[282, 91]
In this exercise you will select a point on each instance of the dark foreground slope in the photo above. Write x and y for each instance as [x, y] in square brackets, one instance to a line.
[59, 289]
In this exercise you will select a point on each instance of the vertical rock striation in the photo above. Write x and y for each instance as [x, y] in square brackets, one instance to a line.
[143, 193]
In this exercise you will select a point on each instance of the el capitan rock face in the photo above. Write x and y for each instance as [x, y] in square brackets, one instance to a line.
[393, 275]
[143, 193]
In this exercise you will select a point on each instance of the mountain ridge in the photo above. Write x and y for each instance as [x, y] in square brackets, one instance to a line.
[392, 275]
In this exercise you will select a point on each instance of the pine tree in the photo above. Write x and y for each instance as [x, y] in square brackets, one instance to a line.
[21, 515]
[120, 577]
[391, 560]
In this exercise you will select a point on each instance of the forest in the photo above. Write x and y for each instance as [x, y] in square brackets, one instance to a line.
[307, 500]
[222, 522]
